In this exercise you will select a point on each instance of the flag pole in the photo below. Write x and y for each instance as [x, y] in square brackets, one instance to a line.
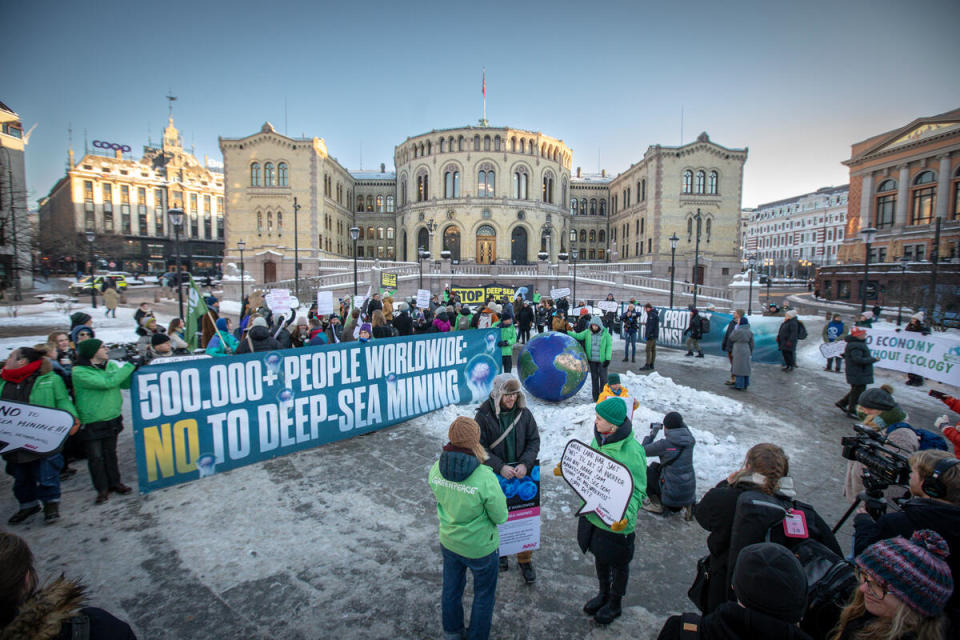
[483, 90]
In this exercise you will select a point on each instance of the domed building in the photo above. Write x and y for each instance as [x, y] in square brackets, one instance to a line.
[483, 195]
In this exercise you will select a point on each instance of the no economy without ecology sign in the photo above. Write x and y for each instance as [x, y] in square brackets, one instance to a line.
[193, 419]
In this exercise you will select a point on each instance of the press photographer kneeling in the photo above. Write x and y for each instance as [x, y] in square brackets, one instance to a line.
[934, 504]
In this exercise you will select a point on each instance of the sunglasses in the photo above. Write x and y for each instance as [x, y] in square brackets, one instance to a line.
[875, 588]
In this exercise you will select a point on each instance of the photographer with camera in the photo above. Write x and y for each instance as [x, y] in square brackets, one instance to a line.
[934, 504]
[671, 482]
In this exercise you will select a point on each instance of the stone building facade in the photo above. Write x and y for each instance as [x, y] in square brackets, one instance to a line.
[124, 202]
[16, 229]
[486, 195]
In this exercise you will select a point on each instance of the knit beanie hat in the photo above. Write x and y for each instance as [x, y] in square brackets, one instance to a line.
[868, 315]
[613, 378]
[858, 332]
[613, 410]
[768, 578]
[157, 339]
[78, 318]
[673, 420]
[465, 433]
[915, 571]
[790, 314]
[259, 321]
[583, 311]
[366, 327]
[876, 398]
[89, 348]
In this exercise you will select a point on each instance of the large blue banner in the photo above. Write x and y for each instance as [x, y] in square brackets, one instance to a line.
[673, 323]
[192, 419]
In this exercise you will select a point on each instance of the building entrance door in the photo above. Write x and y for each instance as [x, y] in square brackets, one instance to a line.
[486, 249]
[269, 271]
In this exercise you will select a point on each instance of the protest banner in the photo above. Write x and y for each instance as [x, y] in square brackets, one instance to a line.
[36, 429]
[562, 292]
[674, 323]
[521, 531]
[252, 407]
[388, 283]
[833, 349]
[324, 303]
[931, 356]
[423, 298]
[171, 359]
[604, 485]
[480, 293]
[610, 306]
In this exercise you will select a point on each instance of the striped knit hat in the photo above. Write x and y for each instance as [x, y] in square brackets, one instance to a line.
[915, 571]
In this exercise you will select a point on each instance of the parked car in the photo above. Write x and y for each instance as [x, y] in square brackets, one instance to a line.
[85, 283]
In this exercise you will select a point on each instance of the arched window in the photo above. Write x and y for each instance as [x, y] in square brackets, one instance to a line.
[269, 222]
[268, 174]
[601, 236]
[476, 143]
[429, 148]
[708, 227]
[403, 190]
[390, 205]
[279, 222]
[360, 203]
[522, 145]
[513, 143]
[689, 228]
[603, 206]
[643, 190]
[583, 206]
[255, 174]
[486, 230]
[520, 189]
[390, 232]
[485, 182]
[379, 203]
[886, 204]
[712, 183]
[573, 206]
[282, 174]
[701, 180]
[360, 237]
[496, 143]
[924, 198]
[259, 222]
[593, 235]
[423, 189]
[380, 233]
[370, 203]
[486, 143]
[460, 144]
[371, 233]
[583, 235]
[451, 241]
[443, 145]
[593, 206]
[423, 240]
[563, 194]
[688, 181]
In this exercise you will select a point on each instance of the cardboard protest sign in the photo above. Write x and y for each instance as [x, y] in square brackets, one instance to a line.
[324, 303]
[833, 349]
[602, 483]
[36, 429]
[521, 531]
[423, 298]
[563, 292]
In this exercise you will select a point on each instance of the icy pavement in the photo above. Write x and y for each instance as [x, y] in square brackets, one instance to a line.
[341, 541]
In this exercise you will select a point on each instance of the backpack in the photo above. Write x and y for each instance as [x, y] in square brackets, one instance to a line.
[704, 325]
[801, 331]
[928, 439]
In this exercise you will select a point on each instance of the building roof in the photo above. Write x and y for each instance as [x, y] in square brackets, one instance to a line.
[372, 175]
[591, 178]
[4, 107]
[823, 191]
[878, 143]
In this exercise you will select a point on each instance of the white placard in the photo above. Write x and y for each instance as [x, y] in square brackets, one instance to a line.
[935, 356]
[556, 294]
[423, 298]
[279, 301]
[36, 429]
[608, 305]
[604, 484]
[833, 349]
[324, 303]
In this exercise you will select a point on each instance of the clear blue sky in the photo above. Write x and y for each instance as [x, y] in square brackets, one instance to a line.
[796, 82]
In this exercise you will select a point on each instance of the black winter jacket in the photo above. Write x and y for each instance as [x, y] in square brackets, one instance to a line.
[732, 622]
[525, 317]
[652, 327]
[631, 321]
[695, 328]
[725, 344]
[859, 362]
[527, 434]
[403, 324]
[787, 335]
[262, 340]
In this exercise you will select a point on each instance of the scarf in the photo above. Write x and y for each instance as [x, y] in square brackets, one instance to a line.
[20, 374]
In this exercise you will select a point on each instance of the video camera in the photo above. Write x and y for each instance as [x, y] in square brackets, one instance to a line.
[886, 466]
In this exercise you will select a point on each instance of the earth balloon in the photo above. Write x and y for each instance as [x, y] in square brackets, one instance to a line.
[553, 366]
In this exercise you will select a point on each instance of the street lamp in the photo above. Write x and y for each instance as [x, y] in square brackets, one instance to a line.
[241, 245]
[296, 250]
[752, 261]
[176, 219]
[674, 240]
[696, 259]
[904, 261]
[91, 236]
[768, 263]
[868, 235]
[573, 255]
[354, 235]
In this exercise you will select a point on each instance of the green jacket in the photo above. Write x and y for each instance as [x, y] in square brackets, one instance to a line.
[606, 342]
[509, 335]
[470, 504]
[98, 390]
[625, 449]
[49, 391]
[215, 347]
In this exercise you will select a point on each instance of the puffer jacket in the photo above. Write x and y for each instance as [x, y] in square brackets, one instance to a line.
[97, 390]
[470, 503]
[525, 431]
[859, 361]
[678, 482]
[261, 340]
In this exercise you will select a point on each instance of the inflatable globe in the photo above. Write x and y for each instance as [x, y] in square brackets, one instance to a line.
[553, 366]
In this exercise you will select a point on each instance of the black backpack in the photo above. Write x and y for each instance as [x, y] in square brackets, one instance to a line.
[704, 325]
[801, 331]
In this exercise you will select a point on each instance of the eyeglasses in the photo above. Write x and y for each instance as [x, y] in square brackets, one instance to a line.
[875, 588]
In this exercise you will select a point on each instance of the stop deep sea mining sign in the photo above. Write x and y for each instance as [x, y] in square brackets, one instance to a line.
[521, 531]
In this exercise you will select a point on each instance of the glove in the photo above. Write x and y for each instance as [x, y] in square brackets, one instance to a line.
[939, 395]
[656, 428]
[557, 471]
[502, 343]
[605, 364]
[620, 525]
[942, 422]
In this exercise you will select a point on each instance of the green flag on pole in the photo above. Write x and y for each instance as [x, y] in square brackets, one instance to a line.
[196, 309]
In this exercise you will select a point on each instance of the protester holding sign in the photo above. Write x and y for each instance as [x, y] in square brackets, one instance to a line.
[834, 331]
[28, 377]
[612, 545]
[598, 346]
[508, 431]
[97, 382]
[470, 505]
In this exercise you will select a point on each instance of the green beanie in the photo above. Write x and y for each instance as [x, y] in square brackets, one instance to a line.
[613, 410]
[89, 348]
[613, 378]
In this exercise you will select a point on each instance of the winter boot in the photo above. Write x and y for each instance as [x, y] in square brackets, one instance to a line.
[688, 512]
[700, 355]
[102, 496]
[653, 505]
[529, 573]
[732, 381]
[688, 353]
[51, 512]
[610, 611]
[624, 359]
[23, 514]
[596, 603]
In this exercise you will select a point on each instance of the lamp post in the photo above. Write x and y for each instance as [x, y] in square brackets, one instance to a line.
[696, 260]
[241, 245]
[176, 219]
[752, 261]
[904, 261]
[91, 236]
[868, 235]
[573, 255]
[422, 254]
[674, 240]
[296, 251]
[354, 235]
[768, 263]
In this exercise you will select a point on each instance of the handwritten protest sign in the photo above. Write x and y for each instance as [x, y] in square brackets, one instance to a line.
[608, 305]
[324, 303]
[279, 301]
[36, 429]
[833, 349]
[602, 483]
[556, 294]
[423, 298]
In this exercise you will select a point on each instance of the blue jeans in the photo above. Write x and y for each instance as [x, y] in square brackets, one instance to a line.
[631, 338]
[742, 382]
[37, 481]
[485, 572]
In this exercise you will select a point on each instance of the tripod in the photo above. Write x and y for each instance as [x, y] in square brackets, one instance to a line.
[872, 497]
